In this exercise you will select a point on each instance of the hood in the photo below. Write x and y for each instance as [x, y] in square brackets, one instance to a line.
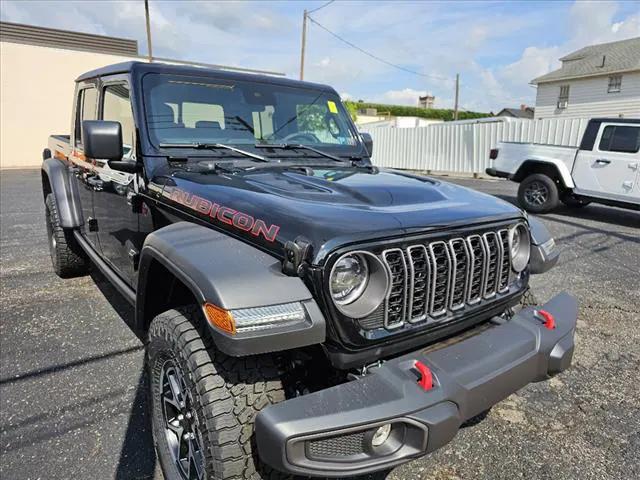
[329, 206]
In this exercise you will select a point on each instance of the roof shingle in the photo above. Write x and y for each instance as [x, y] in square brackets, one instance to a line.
[601, 59]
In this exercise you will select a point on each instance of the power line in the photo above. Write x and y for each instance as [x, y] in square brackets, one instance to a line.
[321, 7]
[375, 57]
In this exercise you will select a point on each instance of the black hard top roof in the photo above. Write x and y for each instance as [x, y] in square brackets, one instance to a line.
[144, 67]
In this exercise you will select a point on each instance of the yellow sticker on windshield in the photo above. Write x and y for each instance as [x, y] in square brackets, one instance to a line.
[332, 106]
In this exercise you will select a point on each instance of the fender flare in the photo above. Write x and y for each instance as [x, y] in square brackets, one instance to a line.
[65, 192]
[563, 171]
[231, 275]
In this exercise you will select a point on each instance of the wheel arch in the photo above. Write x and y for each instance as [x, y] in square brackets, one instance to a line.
[56, 180]
[554, 169]
[188, 263]
[161, 287]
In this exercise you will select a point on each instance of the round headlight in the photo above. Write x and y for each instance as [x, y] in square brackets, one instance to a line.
[520, 245]
[358, 283]
[349, 278]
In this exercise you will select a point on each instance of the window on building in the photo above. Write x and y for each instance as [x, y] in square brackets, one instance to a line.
[116, 107]
[620, 138]
[563, 98]
[85, 110]
[615, 84]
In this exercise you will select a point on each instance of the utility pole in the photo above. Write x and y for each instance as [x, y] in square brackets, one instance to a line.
[146, 13]
[455, 111]
[304, 44]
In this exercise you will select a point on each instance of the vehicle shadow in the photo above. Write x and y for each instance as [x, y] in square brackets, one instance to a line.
[593, 212]
[123, 308]
[137, 456]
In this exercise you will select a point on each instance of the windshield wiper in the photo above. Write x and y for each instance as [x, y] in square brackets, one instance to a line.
[214, 146]
[299, 146]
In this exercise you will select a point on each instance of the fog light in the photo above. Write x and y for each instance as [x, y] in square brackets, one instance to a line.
[381, 435]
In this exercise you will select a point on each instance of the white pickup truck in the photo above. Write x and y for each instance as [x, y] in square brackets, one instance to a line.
[605, 168]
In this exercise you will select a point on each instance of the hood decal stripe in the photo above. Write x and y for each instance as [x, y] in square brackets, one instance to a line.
[223, 214]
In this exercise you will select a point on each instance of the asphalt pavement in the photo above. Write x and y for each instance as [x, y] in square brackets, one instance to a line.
[72, 392]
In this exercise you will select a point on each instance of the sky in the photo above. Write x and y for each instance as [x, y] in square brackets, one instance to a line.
[496, 47]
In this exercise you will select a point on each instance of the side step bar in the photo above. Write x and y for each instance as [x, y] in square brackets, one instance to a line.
[125, 290]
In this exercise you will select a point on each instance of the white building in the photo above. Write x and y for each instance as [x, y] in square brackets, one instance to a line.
[371, 121]
[596, 81]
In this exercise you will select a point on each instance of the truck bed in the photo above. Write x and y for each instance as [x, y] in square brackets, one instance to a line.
[60, 146]
[513, 154]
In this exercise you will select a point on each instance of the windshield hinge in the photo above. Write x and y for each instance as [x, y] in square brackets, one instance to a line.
[295, 255]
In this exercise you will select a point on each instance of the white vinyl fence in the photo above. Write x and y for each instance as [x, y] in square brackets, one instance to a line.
[464, 147]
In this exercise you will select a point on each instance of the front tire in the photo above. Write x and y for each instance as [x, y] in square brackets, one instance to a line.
[538, 193]
[204, 403]
[67, 257]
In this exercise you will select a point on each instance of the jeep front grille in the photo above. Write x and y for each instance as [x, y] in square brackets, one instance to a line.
[432, 281]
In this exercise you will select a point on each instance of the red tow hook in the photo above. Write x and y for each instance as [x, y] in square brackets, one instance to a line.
[426, 377]
[546, 318]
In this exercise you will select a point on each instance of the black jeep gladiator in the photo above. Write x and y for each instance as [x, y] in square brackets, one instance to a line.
[304, 312]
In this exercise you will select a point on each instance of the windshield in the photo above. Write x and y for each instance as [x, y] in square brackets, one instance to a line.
[190, 110]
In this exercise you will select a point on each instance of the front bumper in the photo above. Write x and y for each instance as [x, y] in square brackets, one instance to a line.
[328, 433]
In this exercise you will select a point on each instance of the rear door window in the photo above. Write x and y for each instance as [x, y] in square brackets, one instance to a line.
[620, 138]
[86, 109]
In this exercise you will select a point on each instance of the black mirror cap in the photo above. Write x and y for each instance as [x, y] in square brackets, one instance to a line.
[368, 142]
[102, 139]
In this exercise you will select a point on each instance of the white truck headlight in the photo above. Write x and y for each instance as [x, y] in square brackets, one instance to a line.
[358, 283]
[520, 246]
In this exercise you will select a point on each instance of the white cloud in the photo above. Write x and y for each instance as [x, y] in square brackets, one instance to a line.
[406, 96]
[534, 62]
[588, 23]
[497, 48]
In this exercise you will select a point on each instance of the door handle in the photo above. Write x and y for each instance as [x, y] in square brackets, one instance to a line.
[602, 161]
[633, 166]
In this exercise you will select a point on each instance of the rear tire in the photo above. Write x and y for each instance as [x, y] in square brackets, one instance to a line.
[538, 193]
[221, 395]
[67, 257]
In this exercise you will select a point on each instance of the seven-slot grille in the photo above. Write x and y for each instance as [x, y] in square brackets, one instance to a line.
[430, 281]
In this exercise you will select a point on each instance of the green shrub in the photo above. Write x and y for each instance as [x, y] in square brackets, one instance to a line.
[406, 111]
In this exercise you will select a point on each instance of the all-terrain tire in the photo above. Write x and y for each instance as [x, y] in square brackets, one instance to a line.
[538, 193]
[67, 257]
[226, 394]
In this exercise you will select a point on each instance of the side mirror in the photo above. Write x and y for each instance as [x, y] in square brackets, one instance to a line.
[368, 142]
[102, 139]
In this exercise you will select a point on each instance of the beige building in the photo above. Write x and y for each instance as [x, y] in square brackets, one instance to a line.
[596, 81]
[38, 68]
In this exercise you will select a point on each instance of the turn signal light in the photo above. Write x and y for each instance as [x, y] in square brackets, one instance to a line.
[220, 318]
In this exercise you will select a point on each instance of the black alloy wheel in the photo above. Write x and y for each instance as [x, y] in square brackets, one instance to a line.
[538, 193]
[181, 426]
